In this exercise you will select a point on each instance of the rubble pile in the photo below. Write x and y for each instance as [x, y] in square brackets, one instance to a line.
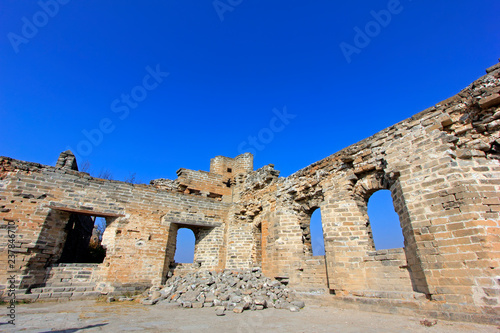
[229, 290]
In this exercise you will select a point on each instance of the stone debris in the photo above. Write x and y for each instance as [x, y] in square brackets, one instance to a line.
[219, 311]
[428, 323]
[125, 299]
[230, 290]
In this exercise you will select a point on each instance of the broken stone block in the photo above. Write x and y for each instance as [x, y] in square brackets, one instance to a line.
[236, 299]
[230, 306]
[238, 309]
[489, 101]
[168, 305]
[197, 305]
[299, 304]
[219, 311]
[149, 302]
[125, 299]
[261, 301]
[464, 154]
[190, 296]
[479, 145]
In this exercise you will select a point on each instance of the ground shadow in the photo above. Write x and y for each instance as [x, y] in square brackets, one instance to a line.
[72, 330]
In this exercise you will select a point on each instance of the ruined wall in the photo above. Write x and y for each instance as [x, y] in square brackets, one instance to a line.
[230, 167]
[245, 218]
[442, 168]
[203, 183]
[38, 200]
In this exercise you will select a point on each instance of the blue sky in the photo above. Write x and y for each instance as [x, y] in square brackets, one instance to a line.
[203, 77]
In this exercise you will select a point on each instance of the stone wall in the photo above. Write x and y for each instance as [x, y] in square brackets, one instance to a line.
[229, 167]
[313, 277]
[67, 281]
[441, 167]
[203, 183]
[387, 272]
[39, 200]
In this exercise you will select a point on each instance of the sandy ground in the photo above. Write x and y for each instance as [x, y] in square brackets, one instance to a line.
[92, 316]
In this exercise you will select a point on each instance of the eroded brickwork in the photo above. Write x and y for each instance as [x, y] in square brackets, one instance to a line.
[39, 200]
[441, 167]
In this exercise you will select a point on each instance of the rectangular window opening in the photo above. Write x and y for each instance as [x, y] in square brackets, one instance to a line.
[84, 239]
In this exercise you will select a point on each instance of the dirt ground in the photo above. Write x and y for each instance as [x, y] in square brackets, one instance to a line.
[92, 316]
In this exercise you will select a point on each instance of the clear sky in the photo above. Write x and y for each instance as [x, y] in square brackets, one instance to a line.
[148, 87]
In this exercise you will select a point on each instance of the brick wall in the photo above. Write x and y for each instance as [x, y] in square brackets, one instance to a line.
[387, 271]
[138, 217]
[441, 167]
[313, 276]
[230, 167]
[203, 183]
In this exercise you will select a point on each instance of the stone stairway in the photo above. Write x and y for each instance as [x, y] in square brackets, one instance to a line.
[65, 282]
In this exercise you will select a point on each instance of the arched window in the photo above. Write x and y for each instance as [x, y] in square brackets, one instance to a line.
[317, 240]
[184, 250]
[384, 221]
